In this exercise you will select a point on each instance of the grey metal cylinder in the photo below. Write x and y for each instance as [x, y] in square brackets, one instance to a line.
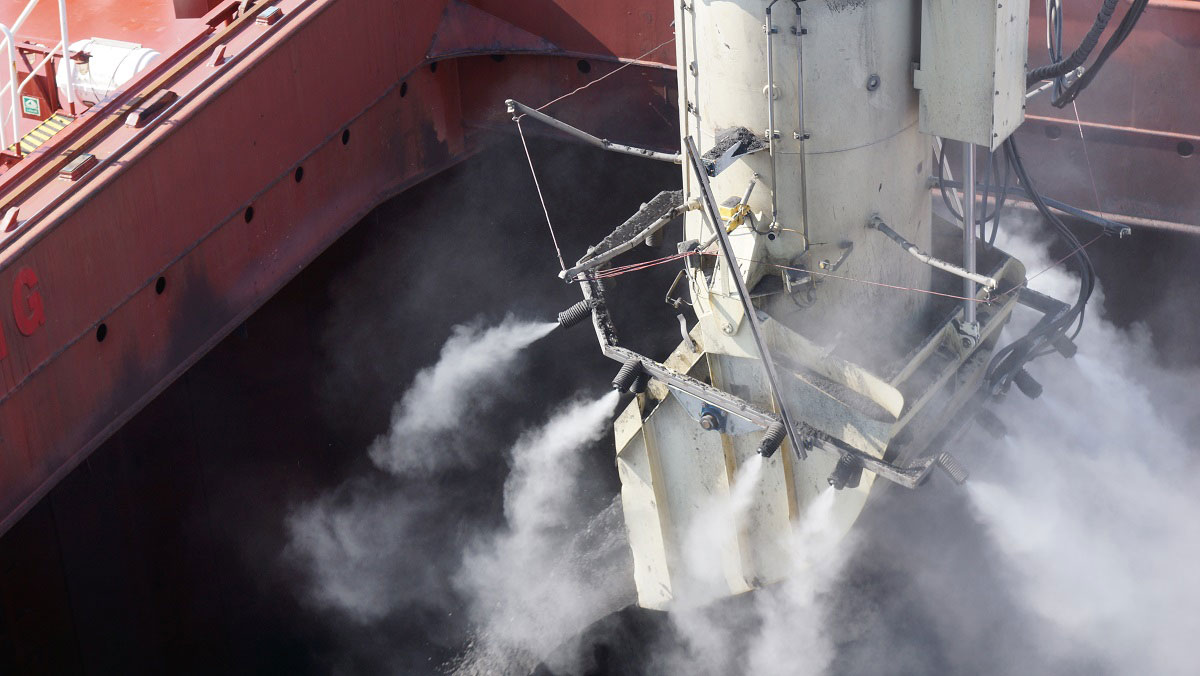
[848, 148]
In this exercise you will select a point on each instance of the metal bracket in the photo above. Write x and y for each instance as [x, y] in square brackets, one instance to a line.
[671, 299]
[968, 334]
[683, 330]
[739, 142]
[1110, 227]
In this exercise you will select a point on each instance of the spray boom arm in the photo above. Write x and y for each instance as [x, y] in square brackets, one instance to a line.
[518, 109]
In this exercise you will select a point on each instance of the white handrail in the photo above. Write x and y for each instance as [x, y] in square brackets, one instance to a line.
[14, 89]
[24, 15]
[66, 62]
[11, 86]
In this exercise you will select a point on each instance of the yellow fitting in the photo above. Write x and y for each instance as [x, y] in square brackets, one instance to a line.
[734, 215]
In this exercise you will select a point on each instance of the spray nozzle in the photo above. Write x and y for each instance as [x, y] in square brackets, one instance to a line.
[771, 439]
[575, 314]
[631, 378]
[1029, 386]
[1065, 346]
[846, 473]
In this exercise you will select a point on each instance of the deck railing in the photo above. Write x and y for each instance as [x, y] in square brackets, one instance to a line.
[14, 90]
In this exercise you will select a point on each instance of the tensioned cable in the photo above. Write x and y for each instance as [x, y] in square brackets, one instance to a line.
[1088, 160]
[525, 146]
[633, 267]
[541, 199]
[609, 74]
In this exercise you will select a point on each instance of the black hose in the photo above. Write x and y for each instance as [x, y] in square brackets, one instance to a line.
[1081, 53]
[1008, 361]
[575, 314]
[1054, 25]
[991, 240]
[994, 214]
[1114, 41]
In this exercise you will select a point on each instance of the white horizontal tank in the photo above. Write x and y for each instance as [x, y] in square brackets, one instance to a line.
[110, 65]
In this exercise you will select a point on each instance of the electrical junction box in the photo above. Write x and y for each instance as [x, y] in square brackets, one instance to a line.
[972, 72]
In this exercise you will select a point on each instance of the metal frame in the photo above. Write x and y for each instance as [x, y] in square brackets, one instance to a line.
[585, 264]
[909, 477]
[11, 86]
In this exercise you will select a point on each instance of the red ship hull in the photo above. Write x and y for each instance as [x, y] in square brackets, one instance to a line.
[129, 280]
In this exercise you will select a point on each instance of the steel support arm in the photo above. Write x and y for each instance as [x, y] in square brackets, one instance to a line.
[517, 109]
[878, 224]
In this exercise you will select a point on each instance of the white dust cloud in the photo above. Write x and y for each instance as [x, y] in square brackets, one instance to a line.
[472, 363]
[550, 571]
[384, 544]
[1090, 496]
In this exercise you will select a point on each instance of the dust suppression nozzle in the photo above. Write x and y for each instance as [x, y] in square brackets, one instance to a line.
[1065, 346]
[951, 466]
[628, 377]
[1027, 384]
[575, 314]
[846, 473]
[771, 439]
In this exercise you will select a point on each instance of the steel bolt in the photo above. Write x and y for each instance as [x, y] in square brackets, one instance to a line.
[709, 422]
[727, 328]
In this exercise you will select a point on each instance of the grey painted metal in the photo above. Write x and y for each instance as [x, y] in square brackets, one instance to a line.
[1046, 84]
[878, 224]
[971, 76]
[969, 232]
[515, 107]
[714, 213]
[843, 153]
[697, 408]
[1051, 307]
[749, 191]
[683, 331]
